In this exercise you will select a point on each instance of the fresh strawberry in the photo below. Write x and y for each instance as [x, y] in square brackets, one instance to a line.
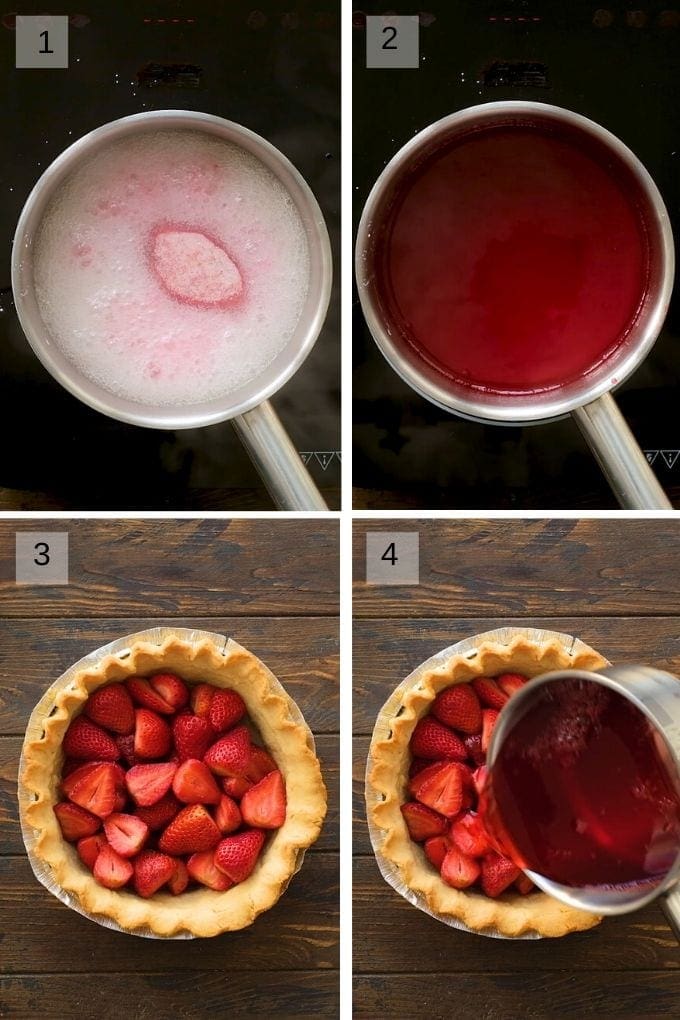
[417, 765]
[194, 783]
[524, 884]
[179, 879]
[126, 746]
[76, 821]
[160, 814]
[440, 787]
[510, 683]
[227, 815]
[473, 746]
[143, 694]
[192, 735]
[479, 778]
[172, 690]
[236, 786]
[230, 755]
[436, 849]
[152, 870]
[120, 800]
[126, 834]
[147, 784]
[497, 873]
[88, 848]
[422, 822]
[96, 792]
[69, 783]
[489, 719]
[458, 870]
[259, 765]
[226, 708]
[89, 742]
[189, 832]
[467, 832]
[237, 855]
[202, 869]
[489, 692]
[201, 698]
[458, 706]
[110, 869]
[433, 741]
[152, 735]
[264, 805]
[112, 708]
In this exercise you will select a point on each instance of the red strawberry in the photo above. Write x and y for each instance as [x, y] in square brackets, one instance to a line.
[126, 746]
[76, 821]
[189, 832]
[264, 805]
[192, 735]
[152, 735]
[227, 815]
[152, 870]
[524, 884]
[194, 783]
[479, 778]
[458, 706]
[236, 786]
[226, 708]
[433, 741]
[89, 742]
[468, 833]
[497, 873]
[441, 787]
[510, 683]
[237, 855]
[260, 764]
[69, 783]
[160, 814]
[422, 822]
[436, 849]
[202, 868]
[88, 848]
[489, 692]
[229, 756]
[201, 698]
[96, 792]
[126, 834]
[473, 746]
[179, 879]
[172, 690]
[489, 719]
[112, 708]
[149, 783]
[120, 800]
[110, 869]
[144, 694]
[417, 765]
[458, 870]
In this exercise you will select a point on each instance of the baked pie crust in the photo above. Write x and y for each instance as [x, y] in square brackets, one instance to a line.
[201, 912]
[513, 914]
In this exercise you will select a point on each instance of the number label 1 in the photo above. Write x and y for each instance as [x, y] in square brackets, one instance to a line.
[41, 40]
[392, 557]
[42, 557]
[393, 40]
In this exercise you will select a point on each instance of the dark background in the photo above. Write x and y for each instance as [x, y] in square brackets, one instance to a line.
[274, 69]
[619, 67]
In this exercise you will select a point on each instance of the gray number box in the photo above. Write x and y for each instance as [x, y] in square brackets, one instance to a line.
[392, 557]
[42, 557]
[393, 40]
[31, 44]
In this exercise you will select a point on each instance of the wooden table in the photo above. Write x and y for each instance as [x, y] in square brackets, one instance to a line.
[613, 583]
[273, 586]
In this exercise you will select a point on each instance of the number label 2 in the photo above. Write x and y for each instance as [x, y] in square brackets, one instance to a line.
[391, 33]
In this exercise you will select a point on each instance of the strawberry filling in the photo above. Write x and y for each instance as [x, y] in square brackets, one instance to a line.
[165, 789]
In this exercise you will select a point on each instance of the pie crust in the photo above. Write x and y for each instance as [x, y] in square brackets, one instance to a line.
[512, 914]
[201, 912]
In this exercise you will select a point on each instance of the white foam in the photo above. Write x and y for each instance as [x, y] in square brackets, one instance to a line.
[106, 310]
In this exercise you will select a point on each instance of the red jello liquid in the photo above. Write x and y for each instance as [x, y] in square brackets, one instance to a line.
[583, 791]
[514, 259]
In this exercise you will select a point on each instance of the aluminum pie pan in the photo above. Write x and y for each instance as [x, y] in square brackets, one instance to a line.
[121, 648]
[469, 648]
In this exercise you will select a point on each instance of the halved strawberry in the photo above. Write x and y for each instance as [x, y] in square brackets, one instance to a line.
[152, 735]
[160, 814]
[441, 787]
[436, 849]
[498, 873]
[144, 695]
[458, 706]
[172, 690]
[149, 783]
[259, 765]
[458, 870]
[179, 879]
[473, 746]
[489, 719]
[201, 698]
[75, 821]
[227, 815]
[194, 783]
[96, 792]
[264, 805]
[467, 832]
[479, 778]
[70, 781]
[230, 755]
[226, 709]
[510, 683]
[112, 708]
[422, 822]
[127, 834]
[126, 746]
[189, 832]
[237, 855]
[524, 884]
[235, 786]
[152, 870]
[192, 735]
[202, 868]
[89, 742]
[489, 692]
[88, 848]
[110, 869]
[433, 741]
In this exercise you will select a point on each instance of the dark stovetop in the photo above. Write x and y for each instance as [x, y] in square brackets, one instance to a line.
[616, 66]
[273, 68]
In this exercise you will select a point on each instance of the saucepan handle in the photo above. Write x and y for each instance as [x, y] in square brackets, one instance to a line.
[670, 904]
[279, 464]
[622, 461]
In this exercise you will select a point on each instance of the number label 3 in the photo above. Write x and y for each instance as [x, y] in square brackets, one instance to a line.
[42, 557]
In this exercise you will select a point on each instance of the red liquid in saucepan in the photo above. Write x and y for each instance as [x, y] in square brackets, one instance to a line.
[580, 793]
[514, 260]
